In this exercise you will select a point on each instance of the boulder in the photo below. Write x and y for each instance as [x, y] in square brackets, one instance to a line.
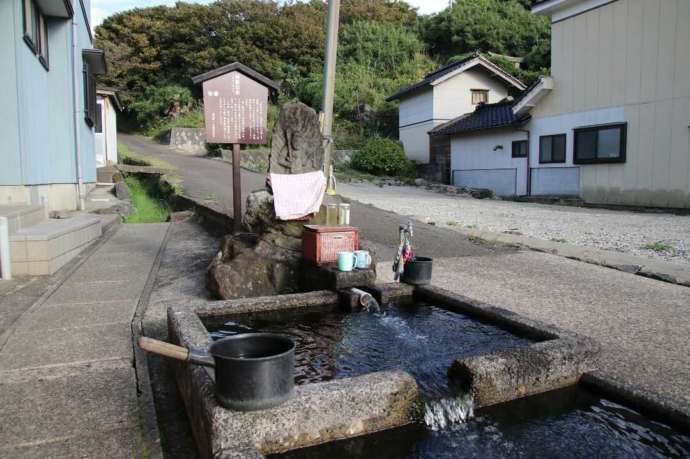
[121, 191]
[267, 261]
[297, 145]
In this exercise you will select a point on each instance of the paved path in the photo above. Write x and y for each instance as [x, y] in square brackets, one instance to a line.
[68, 387]
[641, 323]
[205, 180]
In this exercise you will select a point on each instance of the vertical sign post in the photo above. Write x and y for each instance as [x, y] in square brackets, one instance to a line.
[235, 113]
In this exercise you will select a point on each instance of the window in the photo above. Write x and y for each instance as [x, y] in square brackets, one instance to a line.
[480, 96]
[89, 95]
[520, 148]
[552, 148]
[600, 144]
[36, 30]
[98, 122]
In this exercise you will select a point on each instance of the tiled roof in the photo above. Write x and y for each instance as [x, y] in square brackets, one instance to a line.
[436, 74]
[485, 116]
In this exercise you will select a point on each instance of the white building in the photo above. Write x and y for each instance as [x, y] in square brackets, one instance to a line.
[611, 124]
[105, 127]
[445, 94]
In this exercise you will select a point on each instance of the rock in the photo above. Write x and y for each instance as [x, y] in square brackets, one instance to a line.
[297, 144]
[419, 182]
[481, 193]
[121, 191]
[267, 261]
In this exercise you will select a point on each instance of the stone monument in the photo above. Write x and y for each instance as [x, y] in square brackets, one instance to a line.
[268, 259]
[297, 145]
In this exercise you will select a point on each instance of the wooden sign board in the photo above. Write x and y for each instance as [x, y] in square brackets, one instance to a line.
[235, 109]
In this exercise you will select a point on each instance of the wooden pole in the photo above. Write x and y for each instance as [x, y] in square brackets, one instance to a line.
[236, 189]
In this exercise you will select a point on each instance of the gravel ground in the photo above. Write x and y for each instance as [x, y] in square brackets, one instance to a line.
[654, 235]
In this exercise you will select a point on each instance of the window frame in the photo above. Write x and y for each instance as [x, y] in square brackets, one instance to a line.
[89, 83]
[622, 147]
[35, 31]
[98, 117]
[485, 92]
[519, 142]
[565, 149]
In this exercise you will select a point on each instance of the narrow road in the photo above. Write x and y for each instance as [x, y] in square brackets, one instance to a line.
[205, 179]
[641, 323]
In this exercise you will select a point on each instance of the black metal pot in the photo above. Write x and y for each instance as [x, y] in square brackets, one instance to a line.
[418, 271]
[254, 371]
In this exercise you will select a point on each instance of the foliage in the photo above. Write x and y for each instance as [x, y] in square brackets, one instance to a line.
[501, 26]
[382, 157]
[162, 103]
[192, 119]
[374, 60]
[148, 205]
[659, 247]
[384, 45]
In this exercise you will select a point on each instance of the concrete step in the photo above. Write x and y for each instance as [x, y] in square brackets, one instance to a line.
[45, 247]
[21, 216]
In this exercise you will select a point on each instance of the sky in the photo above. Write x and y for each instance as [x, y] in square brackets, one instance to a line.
[100, 9]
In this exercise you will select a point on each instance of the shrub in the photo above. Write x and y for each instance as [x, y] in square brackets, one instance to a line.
[382, 157]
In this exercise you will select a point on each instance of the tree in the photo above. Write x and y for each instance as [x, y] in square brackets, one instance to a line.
[374, 60]
[501, 26]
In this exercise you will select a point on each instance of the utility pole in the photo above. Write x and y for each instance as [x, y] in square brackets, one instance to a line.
[329, 79]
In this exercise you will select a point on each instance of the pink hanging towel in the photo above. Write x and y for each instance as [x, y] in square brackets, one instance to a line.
[297, 195]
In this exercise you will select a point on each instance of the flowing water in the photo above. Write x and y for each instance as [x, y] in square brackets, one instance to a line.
[424, 340]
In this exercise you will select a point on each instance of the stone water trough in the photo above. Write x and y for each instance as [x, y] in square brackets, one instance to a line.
[354, 406]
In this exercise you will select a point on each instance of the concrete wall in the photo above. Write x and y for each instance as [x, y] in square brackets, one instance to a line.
[453, 97]
[631, 55]
[416, 108]
[415, 140]
[10, 147]
[37, 108]
[105, 143]
[476, 163]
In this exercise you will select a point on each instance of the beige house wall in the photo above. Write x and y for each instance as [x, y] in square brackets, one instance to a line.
[633, 55]
[453, 97]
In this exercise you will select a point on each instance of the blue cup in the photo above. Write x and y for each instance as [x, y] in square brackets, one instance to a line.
[346, 261]
[363, 259]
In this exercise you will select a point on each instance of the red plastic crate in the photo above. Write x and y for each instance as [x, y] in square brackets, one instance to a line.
[321, 244]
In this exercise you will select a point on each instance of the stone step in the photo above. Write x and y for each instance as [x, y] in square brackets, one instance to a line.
[21, 216]
[44, 248]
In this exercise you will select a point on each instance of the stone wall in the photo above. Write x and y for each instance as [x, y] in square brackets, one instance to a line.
[192, 140]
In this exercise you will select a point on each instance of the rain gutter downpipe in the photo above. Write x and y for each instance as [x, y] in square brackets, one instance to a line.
[77, 114]
[528, 188]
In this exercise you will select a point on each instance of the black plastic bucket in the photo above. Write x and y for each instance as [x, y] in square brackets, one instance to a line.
[418, 271]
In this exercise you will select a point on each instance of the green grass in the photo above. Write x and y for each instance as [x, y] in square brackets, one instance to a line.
[559, 239]
[148, 207]
[345, 174]
[659, 247]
